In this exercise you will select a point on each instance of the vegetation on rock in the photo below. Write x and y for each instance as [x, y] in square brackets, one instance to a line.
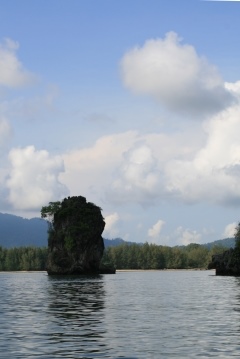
[237, 238]
[75, 244]
[228, 263]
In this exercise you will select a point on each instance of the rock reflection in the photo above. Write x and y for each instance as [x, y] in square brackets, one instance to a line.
[237, 295]
[76, 311]
[75, 297]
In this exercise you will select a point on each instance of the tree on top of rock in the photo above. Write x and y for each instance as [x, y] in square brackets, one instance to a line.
[49, 211]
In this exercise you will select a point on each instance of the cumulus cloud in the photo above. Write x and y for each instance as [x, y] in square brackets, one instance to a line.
[188, 166]
[33, 179]
[12, 72]
[111, 221]
[155, 230]
[230, 230]
[137, 178]
[176, 76]
[213, 174]
[124, 167]
[90, 170]
[186, 236]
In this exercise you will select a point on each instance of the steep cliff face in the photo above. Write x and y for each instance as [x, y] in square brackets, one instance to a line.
[75, 243]
[227, 263]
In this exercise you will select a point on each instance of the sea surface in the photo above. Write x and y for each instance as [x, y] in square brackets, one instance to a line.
[145, 314]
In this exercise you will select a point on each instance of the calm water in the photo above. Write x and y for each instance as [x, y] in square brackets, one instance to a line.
[162, 314]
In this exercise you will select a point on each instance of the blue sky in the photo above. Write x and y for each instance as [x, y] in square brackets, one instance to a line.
[133, 104]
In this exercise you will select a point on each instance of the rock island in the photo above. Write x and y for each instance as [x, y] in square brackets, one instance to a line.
[75, 243]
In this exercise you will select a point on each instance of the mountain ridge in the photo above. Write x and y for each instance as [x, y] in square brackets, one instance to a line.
[16, 231]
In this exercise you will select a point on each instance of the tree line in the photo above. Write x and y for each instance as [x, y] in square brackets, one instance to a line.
[23, 258]
[152, 256]
[124, 256]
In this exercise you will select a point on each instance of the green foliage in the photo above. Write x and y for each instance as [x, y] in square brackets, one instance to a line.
[49, 211]
[124, 256]
[69, 242]
[70, 220]
[23, 258]
[237, 237]
[152, 256]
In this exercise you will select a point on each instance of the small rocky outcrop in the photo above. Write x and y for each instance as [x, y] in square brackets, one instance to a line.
[75, 243]
[226, 263]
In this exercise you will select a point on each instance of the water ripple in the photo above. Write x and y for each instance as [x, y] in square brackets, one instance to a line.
[134, 315]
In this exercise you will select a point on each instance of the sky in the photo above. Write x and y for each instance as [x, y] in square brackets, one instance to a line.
[134, 105]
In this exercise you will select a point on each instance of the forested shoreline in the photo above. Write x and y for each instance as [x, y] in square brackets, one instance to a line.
[124, 256]
[23, 258]
[152, 256]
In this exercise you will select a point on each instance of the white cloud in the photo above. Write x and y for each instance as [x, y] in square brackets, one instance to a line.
[175, 75]
[155, 230]
[111, 221]
[188, 166]
[120, 166]
[230, 230]
[34, 178]
[137, 178]
[139, 174]
[213, 174]
[233, 87]
[186, 236]
[12, 72]
[89, 171]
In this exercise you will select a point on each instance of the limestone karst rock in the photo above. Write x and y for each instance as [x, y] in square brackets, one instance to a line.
[226, 263]
[75, 243]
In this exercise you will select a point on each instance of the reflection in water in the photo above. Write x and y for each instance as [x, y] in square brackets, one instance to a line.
[75, 297]
[237, 295]
[51, 317]
[75, 312]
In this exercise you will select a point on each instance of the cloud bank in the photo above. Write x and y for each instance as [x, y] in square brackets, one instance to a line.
[137, 177]
[213, 174]
[147, 168]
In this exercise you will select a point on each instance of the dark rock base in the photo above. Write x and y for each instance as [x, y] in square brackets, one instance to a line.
[226, 264]
[102, 270]
[105, 269]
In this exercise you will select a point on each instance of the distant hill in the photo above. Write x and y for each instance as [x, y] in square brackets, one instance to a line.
[117, 242]
[16, 231]
[226, 242]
